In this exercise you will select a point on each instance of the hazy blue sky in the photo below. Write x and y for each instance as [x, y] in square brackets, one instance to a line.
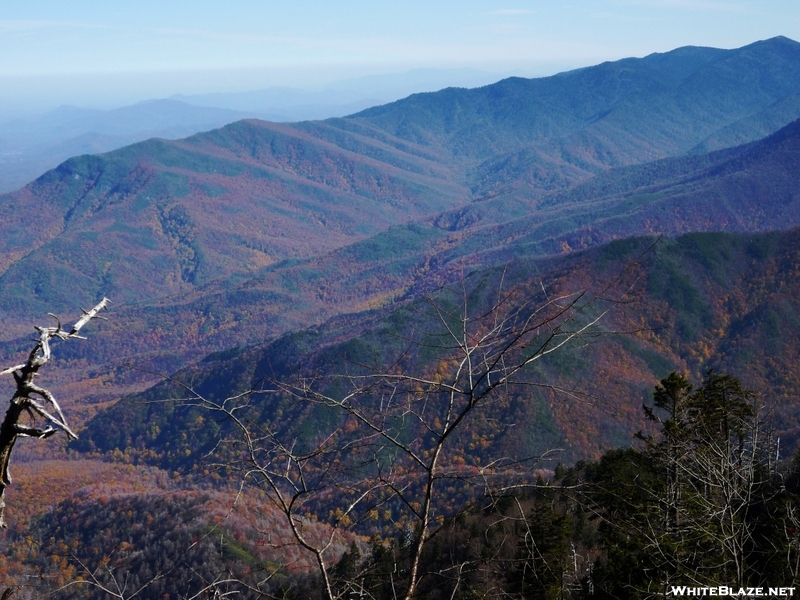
[113, 52]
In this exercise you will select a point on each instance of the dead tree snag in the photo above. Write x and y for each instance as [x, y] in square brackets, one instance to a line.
[33, 400]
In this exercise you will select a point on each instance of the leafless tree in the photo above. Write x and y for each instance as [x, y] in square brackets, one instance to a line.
[393, 448]
[109, 583]
[25, 403]
[31, 401]
[791, 534]
[712, 457]
[722, 466]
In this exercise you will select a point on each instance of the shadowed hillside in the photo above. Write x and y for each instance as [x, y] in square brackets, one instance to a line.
[698, 301]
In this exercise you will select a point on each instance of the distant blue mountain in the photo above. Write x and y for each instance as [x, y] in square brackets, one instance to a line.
[32, 145]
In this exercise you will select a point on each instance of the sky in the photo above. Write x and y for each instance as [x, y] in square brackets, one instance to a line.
[115, 52]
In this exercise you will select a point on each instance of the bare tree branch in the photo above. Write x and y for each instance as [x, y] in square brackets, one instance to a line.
[22, 402]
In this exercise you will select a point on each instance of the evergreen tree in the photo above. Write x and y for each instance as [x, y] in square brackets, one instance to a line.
[690, 508]
[544, 566]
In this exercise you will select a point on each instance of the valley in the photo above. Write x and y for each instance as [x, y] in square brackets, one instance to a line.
[249, 260]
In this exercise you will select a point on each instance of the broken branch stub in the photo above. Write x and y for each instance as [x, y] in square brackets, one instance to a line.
[33, 400]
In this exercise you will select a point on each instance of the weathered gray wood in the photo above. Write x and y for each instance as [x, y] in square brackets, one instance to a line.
[24, 401]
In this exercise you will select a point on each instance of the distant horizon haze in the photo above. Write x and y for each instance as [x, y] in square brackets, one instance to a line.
[27, 95]
[109, 55]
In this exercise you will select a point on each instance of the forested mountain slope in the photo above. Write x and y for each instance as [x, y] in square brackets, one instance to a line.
[546, 131]
[311, 253]
[752, 187]
[252, 194]
[160, 217]
[696, 302]
[240, 234]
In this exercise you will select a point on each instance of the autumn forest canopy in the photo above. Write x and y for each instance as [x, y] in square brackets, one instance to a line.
[537, 339]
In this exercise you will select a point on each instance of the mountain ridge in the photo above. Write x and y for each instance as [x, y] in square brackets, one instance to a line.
[697, 301]
[257, 228]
